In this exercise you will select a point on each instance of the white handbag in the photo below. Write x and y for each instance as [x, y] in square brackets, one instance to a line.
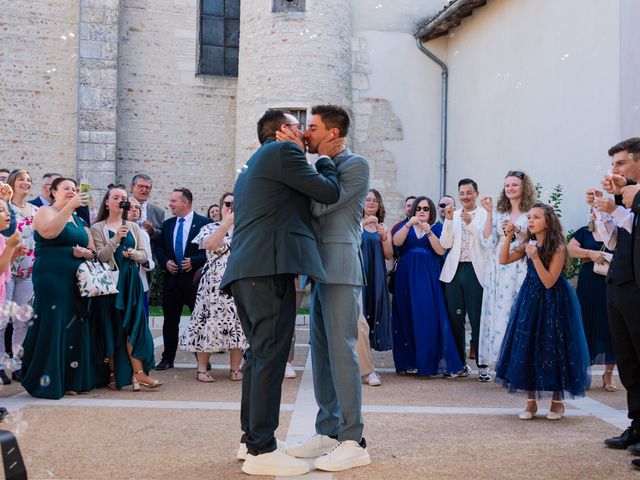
[96, 278]
[603, 269]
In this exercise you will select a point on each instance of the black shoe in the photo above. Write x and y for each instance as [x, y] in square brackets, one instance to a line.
[3, 378]
[3, 413]
[636, 463]
[629, 437]
[16, 375]
[634, 449]
[164, 365]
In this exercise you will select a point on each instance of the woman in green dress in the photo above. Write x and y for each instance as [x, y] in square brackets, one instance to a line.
[57, 356]
[123, 341]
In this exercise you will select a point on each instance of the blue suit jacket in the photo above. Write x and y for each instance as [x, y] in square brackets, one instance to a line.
[164, 247]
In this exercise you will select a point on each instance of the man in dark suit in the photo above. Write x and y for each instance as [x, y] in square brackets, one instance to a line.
[272, 242]
[179, 258]
[151, 216]
[615, 225]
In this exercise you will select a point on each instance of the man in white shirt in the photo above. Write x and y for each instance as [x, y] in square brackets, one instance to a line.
[463, 269]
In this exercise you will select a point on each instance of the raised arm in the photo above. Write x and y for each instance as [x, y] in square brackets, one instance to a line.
[319, 183]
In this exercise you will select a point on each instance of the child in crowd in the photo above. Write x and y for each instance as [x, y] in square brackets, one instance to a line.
[544, 347]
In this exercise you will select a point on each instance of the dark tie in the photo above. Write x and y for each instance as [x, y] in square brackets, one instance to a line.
[179, 248]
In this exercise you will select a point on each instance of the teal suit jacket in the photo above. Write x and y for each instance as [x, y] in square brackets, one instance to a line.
[337, 226]
[272, 213]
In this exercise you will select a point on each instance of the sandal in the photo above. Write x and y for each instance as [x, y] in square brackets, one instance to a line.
[529, 414]
[555, 415]
[112, 381]
[608, 387]
[235, 375]
[204, 377]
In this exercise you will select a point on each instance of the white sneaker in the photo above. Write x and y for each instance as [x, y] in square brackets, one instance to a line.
[276, 463]
[289, 372]
[314, 446]
[348, 454]
[243, 452]
[373, 379]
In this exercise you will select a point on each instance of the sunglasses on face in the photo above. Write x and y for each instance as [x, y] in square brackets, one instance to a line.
[443, 205]
[228, 204]
[422, 209]
[515, 173]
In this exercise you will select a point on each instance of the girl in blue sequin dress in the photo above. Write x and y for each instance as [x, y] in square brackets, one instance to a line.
[544, 347]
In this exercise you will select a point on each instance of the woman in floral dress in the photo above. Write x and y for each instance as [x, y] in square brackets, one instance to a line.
[214, 325]
[502, 282]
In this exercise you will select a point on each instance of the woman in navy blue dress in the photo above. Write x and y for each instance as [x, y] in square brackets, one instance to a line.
[376, 247]
[592, 295]
[422, 338]
[544, 348]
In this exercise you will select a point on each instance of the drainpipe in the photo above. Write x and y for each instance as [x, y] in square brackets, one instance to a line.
[443, 116]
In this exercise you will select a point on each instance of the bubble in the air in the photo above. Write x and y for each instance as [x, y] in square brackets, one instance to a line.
[564, 57]
[378, 6]
[452, 34]
[71, 34]
[456, 53]
[53, 307]
[73, 364]
[519, 84]
[45, 381]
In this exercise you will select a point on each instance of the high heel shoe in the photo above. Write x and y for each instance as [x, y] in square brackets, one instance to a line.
[136, 383]
[608, 387]
[552, 415]
[529, 414]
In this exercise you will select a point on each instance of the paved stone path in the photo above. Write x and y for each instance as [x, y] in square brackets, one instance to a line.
[416, 428]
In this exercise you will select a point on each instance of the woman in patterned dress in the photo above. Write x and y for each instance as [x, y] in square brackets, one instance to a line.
[20, 287]
[214, 325]
[502, 282]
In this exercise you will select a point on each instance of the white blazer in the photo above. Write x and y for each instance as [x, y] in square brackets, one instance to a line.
[451, 238]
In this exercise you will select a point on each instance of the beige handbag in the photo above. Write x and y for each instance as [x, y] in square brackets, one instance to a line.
[603, 269]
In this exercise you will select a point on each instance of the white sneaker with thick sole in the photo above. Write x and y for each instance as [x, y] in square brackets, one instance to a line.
[289, 372]
[313, 447]
[276, 463]
[242, 449]
[348, 454]
[373, 379]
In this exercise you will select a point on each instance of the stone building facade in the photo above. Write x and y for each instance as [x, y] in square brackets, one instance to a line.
[110, 88]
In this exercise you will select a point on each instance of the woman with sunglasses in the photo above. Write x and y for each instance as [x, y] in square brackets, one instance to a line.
[423, 341]
[376, 248]
[502, 282]
[214, 325]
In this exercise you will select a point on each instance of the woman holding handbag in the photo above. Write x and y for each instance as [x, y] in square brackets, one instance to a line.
[121, 332]
[587, 245]
[57, 355]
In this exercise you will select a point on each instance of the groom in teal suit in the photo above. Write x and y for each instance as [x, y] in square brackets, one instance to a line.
[273, 241]
[338, 442]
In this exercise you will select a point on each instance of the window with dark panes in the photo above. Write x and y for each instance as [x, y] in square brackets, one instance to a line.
[219, 37]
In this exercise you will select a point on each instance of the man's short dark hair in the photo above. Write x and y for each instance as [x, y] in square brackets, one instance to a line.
[269, 124]
[333, 116]
[410, 197]
[50, 174]
[140, 176]
[5, 170]
[186, 193]
[631, 145]
[468, 181]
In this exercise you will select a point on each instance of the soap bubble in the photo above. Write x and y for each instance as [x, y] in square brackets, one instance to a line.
[73, 364]
[45, 381]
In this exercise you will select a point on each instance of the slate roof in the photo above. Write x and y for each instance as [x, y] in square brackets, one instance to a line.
[449, 17]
